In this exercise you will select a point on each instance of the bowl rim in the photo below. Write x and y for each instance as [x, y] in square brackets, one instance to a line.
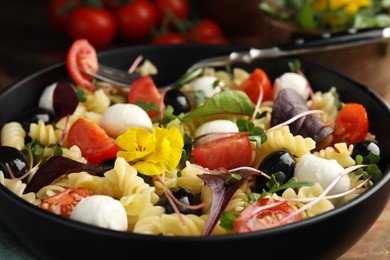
[131, 235]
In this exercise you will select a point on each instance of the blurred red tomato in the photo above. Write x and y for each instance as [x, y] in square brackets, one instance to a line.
[178, 8]
[136, 20]
[59, 12]
[169, 38]
[207, 31]
[97, 25]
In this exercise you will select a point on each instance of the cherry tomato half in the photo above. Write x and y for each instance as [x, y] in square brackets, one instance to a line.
[251, 86]
[144, 90]
[64, 202]
[95, 145]
[225, 152]
[351, 124]
[248, 221]
[82, 55]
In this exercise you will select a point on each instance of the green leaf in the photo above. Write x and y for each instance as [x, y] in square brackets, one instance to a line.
[188, 144]
[227, 220]
[232, 176]
[253, 196]
[80, 92]
[374, 172]
[306, 18]
[277, 186]
[225, 102]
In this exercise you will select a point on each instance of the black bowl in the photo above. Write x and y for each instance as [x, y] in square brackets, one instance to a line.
[326, 236]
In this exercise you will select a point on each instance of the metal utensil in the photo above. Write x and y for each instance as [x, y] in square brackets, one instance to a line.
[324, 42]
[114, 76]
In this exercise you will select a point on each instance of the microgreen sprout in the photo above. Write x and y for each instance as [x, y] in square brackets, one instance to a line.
[256, 133]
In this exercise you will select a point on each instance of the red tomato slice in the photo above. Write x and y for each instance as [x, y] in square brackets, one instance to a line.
[251, 220]
[144, 90]
[251, 86]
[351, 124]
[95, 145]
[64, 202]
[225, 152]
[82, 55]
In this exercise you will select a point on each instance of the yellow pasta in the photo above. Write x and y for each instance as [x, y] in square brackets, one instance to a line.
[189, 180]
[282, 138]
[98, 102]
[45, 134]
[136, 194]
[328, 102]
[13, 134]
[149, 221]
[172, 226]
[340, 152]
[314, 191]
[17, 187]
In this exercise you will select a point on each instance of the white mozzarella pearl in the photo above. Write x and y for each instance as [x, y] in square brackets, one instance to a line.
[46, 98]
[315, 169]
[291, 80]
[205, 84]
[219, 126]
[120, 117]
[101, 210]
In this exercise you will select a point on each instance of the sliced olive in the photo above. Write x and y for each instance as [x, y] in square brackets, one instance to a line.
[15, 161]
[177, 100]
[280, 161]
[183, 196]
[33, 116]
[364, 148]
[107, 164]
[369, 151]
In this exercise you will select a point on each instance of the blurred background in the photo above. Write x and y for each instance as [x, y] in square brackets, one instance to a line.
[38, 33]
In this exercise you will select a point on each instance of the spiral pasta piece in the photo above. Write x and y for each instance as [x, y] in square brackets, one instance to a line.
[13, 134]
[136, 194]
[98, 102]
[169, 179]
[189, 180]
[314, 191]
[45, 134]
[340, 152]
[265, 121]
[329, 102]
[149, 221]
[193, 225]
[18, 187]
[96, 184]
[282, 138]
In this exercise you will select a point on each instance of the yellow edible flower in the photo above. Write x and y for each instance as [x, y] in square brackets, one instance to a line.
[348, 6]
[151, 154]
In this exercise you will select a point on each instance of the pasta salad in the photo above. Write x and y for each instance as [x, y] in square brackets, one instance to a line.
[220, 151]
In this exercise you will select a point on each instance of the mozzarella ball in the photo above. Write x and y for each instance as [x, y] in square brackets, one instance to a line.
[315, 169]
[46, 99]
[102, 211]
[215, 126]
[206, 84]
[120, 117]
[291, 80]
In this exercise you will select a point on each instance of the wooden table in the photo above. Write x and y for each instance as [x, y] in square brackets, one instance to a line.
[22, 54]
